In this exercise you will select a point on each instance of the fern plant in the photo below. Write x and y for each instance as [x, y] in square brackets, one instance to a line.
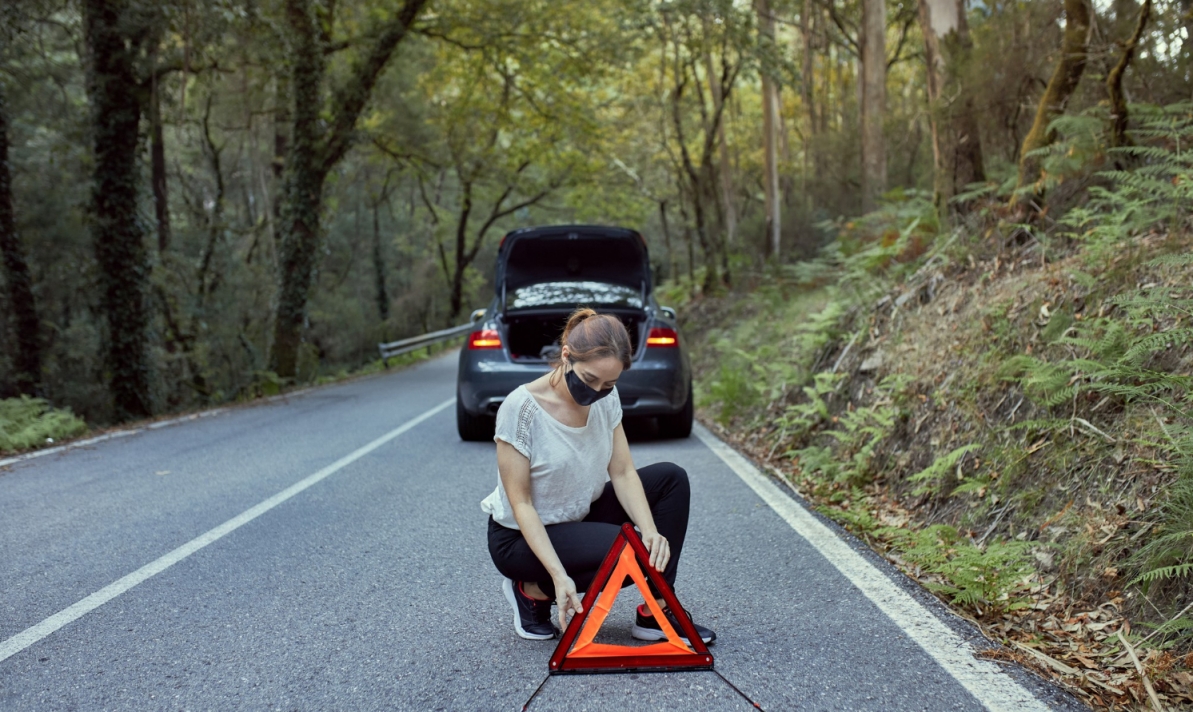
[29, 422]
[1156, 192]
[988, 579]
[932, 478]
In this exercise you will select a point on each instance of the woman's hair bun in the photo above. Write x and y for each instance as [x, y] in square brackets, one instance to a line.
[589, 335]
[577, 316]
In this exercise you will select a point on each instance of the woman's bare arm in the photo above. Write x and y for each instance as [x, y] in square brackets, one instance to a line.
[628, 488]
[515, 478]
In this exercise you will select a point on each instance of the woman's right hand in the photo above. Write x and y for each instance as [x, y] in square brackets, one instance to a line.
[567, 600]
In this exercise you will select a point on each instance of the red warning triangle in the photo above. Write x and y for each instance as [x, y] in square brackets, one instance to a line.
[577, 653]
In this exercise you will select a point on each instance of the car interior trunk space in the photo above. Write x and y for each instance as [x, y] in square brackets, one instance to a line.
[535, 336]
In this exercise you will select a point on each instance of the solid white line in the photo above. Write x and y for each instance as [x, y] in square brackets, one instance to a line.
[993, 688]
[31, 635]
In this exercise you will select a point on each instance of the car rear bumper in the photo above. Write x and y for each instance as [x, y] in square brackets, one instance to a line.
[656, 384]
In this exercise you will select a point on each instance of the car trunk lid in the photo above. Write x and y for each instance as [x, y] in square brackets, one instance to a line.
[572, 253]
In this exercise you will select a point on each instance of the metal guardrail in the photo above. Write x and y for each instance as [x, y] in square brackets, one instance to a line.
[397, 348]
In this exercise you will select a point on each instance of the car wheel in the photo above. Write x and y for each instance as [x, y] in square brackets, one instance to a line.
[473, 428]
[680, 424]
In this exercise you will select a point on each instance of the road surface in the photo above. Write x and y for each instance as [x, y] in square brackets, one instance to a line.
[327, 551]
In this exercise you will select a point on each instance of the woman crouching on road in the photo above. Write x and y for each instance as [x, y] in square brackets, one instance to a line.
[567, 484]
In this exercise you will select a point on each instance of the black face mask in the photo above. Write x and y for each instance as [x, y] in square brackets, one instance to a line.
[583, 393]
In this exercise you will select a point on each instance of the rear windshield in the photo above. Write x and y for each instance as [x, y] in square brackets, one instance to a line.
[572, 294]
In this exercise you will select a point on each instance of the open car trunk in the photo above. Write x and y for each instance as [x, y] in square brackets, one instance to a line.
[543, 274]
[533, 335]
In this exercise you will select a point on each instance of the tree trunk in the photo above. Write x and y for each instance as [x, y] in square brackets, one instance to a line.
[112, 37]
[17, 277]
[956, 144]
[873, 90]
[379, 266]
[457, 296]
[281, 136]
[672, 272]
[157, 161]
[313, 152]
[1073, 55]
[1114, 80]
[723, 168]
[770, 137]
[302, 187]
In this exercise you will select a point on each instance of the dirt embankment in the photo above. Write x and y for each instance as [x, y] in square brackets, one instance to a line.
[960, 424]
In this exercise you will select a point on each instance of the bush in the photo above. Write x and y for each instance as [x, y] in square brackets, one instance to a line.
[29, 422]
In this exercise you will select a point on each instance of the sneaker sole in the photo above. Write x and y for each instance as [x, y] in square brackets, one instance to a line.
[507, 587]
[653, 635]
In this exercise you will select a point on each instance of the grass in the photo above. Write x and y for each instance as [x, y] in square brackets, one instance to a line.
[27, 423]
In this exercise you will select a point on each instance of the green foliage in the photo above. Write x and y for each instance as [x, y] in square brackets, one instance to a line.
[858, 433]
[756, 366]
[1169, 554]
[1151, 190]
[1112, 359]
[733, 388]
[801, 418]
[989, 579]
[30, 422]
[932, 478]
[885, 242]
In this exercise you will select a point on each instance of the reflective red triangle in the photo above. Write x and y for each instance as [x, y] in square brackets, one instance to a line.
[577, 653]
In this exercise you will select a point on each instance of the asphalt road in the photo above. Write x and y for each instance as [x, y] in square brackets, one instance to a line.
[369, 586]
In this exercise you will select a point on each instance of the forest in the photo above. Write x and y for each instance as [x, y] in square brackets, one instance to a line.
[208, 202]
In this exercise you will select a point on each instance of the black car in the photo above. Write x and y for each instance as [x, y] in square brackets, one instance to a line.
[545, 273]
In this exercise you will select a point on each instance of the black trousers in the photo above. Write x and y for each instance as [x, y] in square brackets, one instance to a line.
[582, 546]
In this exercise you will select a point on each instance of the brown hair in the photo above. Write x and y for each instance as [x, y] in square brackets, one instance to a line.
[590, 336]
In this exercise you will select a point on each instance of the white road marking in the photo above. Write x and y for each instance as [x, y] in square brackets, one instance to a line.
[992, 687]
[31, 635]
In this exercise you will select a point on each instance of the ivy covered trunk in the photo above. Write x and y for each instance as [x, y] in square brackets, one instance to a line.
[1114, 80]
[116, 229]
[16, 275]
[379, 267]
[302, 188]
[1074, 52]
[314, 150]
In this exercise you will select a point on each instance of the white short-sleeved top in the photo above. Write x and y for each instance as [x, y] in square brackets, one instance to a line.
[568, 466]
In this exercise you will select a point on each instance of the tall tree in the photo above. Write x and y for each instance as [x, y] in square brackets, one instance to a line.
[16, 274]
[157, 164]
[1114, 80]
[1074, 52]
[873, 80]
[316, 145]
[723, 169]
[117, 32]
[956, 143]
[770, 131]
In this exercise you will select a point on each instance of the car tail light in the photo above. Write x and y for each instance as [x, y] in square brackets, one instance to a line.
[663, 337]
[484, 339]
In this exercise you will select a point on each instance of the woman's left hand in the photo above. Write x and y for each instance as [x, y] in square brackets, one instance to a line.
[659, 549]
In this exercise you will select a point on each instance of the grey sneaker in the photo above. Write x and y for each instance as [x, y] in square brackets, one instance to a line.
[647, 628]
[532, 618]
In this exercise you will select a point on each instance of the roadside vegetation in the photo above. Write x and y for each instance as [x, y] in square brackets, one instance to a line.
[27, 423]
[1003, 409]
